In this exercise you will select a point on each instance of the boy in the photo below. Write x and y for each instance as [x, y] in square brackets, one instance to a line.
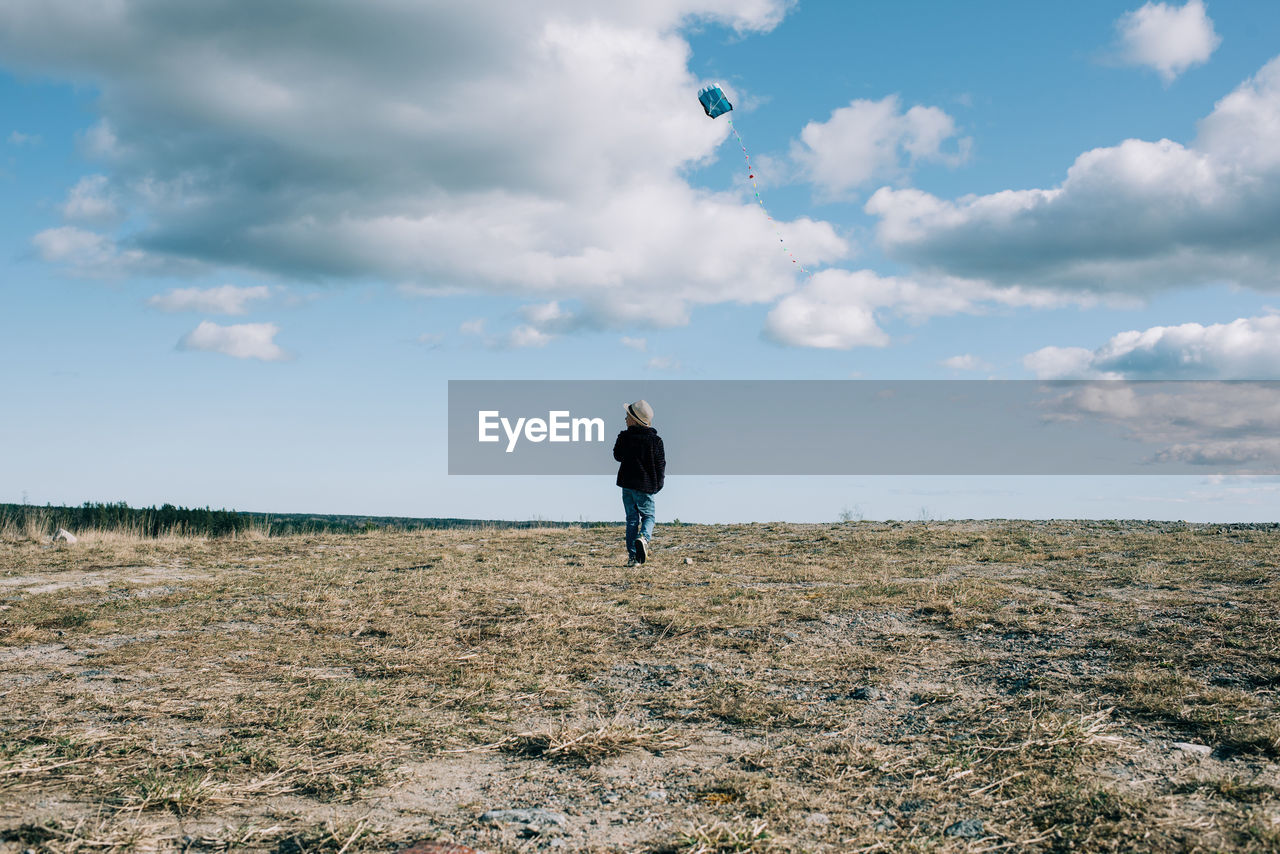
[644, 465]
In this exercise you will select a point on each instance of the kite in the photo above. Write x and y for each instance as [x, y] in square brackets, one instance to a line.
[714, 103]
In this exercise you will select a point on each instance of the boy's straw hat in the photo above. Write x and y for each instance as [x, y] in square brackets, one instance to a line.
[641, 411]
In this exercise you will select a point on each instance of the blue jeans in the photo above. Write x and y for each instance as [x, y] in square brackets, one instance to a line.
[639, 507]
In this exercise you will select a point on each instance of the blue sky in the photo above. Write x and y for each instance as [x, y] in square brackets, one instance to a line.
[242, 253]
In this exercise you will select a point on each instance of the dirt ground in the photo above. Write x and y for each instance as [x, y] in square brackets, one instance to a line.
[964, 686]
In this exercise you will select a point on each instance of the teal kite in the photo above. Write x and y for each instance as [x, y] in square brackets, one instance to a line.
[714, 103]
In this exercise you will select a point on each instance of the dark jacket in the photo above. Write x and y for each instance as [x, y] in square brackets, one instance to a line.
[644, 463]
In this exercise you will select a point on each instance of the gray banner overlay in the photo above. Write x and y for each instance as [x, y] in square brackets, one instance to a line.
[865, 427]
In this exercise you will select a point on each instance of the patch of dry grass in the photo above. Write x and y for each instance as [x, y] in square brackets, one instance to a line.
[720, 837]
[844, 687]
[591, 742]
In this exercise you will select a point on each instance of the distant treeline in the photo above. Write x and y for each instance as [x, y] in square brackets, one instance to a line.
[119, 516]
[204, 521]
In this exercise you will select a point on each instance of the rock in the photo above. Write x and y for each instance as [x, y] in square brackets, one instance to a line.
[688, 561]
[965, 828]
[1189, 747]
[885, 822]
[656, 795]
[817, 819]
[791, 636]
[64, 535]
[536, 817]
[866, 692]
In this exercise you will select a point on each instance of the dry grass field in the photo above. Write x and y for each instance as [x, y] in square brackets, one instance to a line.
[980, 686]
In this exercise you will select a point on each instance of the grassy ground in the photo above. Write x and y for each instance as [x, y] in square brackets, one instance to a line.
[994, 686]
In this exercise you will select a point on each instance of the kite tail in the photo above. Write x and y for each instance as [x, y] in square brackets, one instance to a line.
[751, 174]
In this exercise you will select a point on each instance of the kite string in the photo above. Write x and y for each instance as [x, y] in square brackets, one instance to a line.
[751, 174]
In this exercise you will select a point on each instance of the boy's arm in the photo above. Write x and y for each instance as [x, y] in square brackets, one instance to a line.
[617, 446]
[660, 457]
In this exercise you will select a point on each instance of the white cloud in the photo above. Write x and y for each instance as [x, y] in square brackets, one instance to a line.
[548, 316]
[663, 363]
[873, 141]
[1057, 363]
[841, 309]
[522, 336]
[1132, 218]
[224, 299]
[430, 340]
[90, 201]
[1246, 348]
[1167, 38]
[433, 145]
[241, 341]
[19, 138]
[74, 246]
[90, 253]
[1208, 424]
[965, 362]
[828, 313]
[525, 336]
[638, 253]
[639, 344]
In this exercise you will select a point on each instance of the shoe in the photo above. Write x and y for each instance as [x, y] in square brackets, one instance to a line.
[642, 550]
[631, 561]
